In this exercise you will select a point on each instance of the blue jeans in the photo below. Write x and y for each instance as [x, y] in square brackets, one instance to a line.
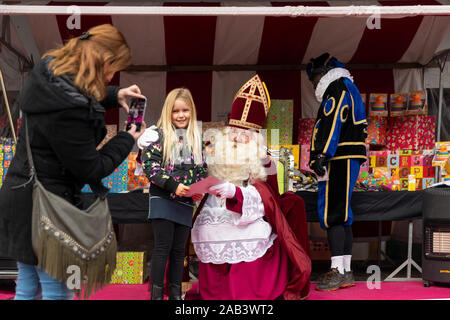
[33, 283]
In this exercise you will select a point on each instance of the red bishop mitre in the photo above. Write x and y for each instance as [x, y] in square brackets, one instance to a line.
[250, 105]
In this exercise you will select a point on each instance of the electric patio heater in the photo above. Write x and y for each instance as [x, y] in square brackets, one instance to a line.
[436, 235]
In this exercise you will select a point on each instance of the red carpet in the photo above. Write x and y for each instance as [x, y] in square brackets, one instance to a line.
[411, 290]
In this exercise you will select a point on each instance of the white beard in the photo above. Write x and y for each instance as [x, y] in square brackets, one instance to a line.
[236, 162]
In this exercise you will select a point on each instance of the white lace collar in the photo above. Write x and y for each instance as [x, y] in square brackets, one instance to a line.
[328, 78]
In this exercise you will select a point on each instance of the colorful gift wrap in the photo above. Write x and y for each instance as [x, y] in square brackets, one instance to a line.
[411, 133]
[366, 165]
[405, 161]
[404, 165]
[393, 160]
[378, 158]
[381, 161]
[305, 130]
[417, 160]
[304, 157]
[395, 171]
[417, 172]
[419, 184]
[404, 172]
[116, 181]
[135, 181]
[376, 131]
[280, 117]
[130, 268]
[404, 182]
[427, 182]
[428, 172]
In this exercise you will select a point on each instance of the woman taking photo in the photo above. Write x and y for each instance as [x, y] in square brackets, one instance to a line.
[64, 99]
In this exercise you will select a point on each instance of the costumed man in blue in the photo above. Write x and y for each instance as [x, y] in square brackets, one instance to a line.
[337, 151]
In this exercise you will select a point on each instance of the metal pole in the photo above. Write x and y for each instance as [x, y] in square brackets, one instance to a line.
[441, 97]
[410, 242]
[441, 63]
[7, 107]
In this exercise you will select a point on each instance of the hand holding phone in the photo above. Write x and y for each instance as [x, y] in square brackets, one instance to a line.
[136, 114]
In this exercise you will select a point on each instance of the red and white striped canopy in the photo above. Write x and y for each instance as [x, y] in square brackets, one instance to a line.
[246, 41]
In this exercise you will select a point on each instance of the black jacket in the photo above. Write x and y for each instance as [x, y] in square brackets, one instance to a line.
[65, 126]
[166, 178]
[340, 129]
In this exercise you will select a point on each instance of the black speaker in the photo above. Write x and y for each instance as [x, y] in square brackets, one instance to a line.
[436, 235]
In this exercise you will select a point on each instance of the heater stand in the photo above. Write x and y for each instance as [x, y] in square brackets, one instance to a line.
[408, 262]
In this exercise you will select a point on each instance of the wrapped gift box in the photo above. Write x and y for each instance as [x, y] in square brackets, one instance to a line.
[305, 130]
[411, 132]
[280, 117]
[366, 165]
[116, 181]
[405, 164]
[304, 157]
[130, 268]
[135, 181]
[376, 131]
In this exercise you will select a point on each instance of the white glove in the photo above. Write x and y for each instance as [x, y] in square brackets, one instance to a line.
[150, 135]
[225, 190]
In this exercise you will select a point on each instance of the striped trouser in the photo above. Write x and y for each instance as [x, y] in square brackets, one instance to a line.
[333, 204]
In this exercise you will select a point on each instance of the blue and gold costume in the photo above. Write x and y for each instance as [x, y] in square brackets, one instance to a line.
[338, 136]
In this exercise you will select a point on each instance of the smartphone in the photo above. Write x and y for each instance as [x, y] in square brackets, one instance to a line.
[136, 114]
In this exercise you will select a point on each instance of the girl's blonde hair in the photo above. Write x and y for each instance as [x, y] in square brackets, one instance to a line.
[193, 136]
[83, 58]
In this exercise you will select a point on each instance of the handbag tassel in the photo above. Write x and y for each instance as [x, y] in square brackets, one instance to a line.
[55, 258]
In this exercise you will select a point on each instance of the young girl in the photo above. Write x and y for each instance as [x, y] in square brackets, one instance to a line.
[172, 161]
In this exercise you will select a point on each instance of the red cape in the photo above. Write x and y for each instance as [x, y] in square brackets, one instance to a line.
[287, 216]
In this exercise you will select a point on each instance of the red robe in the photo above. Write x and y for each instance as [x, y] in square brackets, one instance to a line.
[287, 216]
[294, 231]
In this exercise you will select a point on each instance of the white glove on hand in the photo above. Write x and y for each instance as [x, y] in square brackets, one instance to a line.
[150, 135]
[225, 190]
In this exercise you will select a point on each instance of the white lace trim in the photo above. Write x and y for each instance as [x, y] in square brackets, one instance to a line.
[222, 236]
[234, 251]
[328, 78]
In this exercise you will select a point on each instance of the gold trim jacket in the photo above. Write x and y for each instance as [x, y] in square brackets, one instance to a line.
[340, 129]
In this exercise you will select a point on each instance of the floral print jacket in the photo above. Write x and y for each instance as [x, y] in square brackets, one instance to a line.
[165, 178]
